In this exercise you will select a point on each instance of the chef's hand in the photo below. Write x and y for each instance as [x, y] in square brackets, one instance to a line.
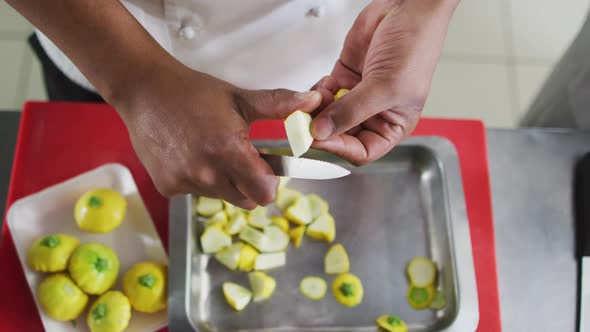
[190, 130]
[388, 60]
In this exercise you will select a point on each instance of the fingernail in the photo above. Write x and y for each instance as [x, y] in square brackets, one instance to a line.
[308, 95]
[248, 205]
[322, 128]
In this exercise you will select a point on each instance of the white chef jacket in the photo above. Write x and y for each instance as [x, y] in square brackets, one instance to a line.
[262, 44]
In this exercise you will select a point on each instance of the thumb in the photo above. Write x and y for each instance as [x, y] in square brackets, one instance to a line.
[352, 109]
[275, 104]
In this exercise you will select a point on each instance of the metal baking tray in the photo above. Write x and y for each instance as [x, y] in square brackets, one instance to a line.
[409, 203]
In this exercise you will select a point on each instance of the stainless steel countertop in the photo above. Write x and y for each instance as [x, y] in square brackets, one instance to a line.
[531, 176]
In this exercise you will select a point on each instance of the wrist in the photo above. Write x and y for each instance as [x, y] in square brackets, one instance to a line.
[129, 89]
[420, 10]
[428, 14]
[441, 7]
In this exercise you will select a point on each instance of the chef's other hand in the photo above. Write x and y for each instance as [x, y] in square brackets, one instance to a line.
[190, 130]
[388, 60]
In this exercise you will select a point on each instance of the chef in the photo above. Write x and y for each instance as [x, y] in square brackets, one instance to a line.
[188, 77]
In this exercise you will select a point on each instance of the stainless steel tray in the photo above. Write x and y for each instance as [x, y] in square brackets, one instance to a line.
[409, 203]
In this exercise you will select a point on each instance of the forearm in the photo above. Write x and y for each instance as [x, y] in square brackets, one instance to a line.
[107, 44]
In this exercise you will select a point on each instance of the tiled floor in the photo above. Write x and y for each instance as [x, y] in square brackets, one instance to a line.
[20, 77]
[497, 55]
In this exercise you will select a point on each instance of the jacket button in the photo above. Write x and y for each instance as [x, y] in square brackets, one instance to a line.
[187, 33]
[318, 11]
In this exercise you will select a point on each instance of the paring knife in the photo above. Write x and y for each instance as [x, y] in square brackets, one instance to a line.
[302, 168]
[582, 215]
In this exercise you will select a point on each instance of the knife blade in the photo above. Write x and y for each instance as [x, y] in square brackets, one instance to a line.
[303, 168]
[582, 215]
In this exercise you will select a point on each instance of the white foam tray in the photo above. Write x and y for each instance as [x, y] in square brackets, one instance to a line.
[52, 210]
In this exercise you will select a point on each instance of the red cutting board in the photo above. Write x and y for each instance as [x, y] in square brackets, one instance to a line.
[60, 140]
